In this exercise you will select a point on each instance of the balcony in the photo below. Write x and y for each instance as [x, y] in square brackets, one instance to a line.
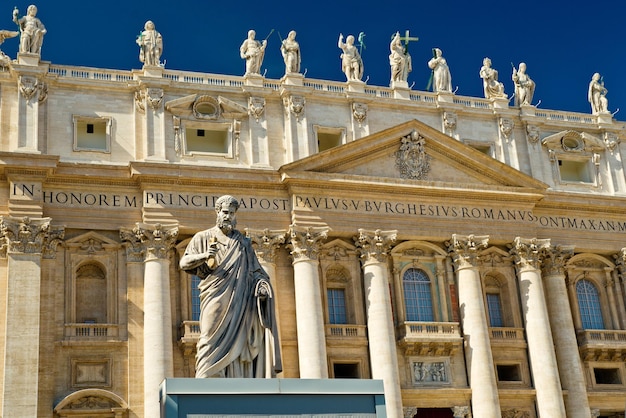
[602, 345]
[189, 332]
[91, 332]
[430, 338]
[510, 337]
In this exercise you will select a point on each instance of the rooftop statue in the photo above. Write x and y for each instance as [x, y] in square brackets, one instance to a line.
[31, 30]
[442, 80]
[524, 86]
[492, 87]
[399, 59]
[238, 334]
[290, 49]
[5, 34]
[253, 52]
[150, 45]
[351, 62]
[597, 95]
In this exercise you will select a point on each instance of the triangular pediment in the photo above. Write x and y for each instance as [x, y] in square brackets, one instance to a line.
[412, 153]
[91, 242]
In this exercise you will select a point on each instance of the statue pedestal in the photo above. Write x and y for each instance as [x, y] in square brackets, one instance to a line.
[153, 71]
[527, 110]
[356, 86]
[500, 103]
[605, 117]
[445, 97]
[400, 89]
[24, 58]
[262, 398]
[292, 79]
[255, 80]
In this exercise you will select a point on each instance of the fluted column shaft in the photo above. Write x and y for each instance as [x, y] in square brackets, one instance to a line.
[155, 243]
[564, 334]
[305, 243]
[374, 247]
[541, 348]
[23, 242]
[479, 358]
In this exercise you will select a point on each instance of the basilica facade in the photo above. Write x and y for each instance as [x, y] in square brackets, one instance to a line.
[469, 253]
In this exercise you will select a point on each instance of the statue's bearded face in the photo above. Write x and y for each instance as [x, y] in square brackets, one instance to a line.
[226, 218]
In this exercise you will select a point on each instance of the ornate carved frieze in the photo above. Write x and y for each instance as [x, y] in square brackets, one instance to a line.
[29, 236]
[29, 86]
[465, 248]
[515, 413]
[149, 242]
[256, 107]
[462, 412]
[411, 159]
[611, 140]
[555, 258]
[527, 252]
[336, 252]
[295, 105]
[305, 242]
[359, 112]
[154, 97]
[374, 246]
[430, 372]
[265, 242]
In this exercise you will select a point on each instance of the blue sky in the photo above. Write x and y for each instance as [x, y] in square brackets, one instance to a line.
[562, 42]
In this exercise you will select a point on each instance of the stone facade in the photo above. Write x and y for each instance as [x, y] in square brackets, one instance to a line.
[467, 253]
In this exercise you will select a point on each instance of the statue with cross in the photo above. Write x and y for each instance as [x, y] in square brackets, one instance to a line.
[399, 58]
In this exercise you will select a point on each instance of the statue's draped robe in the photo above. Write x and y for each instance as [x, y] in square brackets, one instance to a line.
[238, 334]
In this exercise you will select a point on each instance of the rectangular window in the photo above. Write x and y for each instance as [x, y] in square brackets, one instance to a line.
[607, 376]
[494, 307]
[575, 171]
[207, 141]
[336, 306]
[92, 134]
[508, 373]
[346, 370]
[328, 138]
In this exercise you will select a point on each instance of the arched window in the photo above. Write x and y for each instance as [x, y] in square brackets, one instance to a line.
[417, 297]
[589, 305]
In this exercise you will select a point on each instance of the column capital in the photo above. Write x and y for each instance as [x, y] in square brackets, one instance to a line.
[375, 245]
[305, 241]
[464, 249]
[265, 242]
[29, 236]
[620, 262]
[461, 411]
[555, 258]
[527, 252]
[147, 242]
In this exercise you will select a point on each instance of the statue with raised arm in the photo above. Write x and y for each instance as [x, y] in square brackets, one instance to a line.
[597, 95]
[238, 333]
[31, 30]
[253, 52]
[290, 50]
[5, 34]
[150, 45]
[351, 62]
[442, 80]
[524, 86]
[492, 87]
[399, 60]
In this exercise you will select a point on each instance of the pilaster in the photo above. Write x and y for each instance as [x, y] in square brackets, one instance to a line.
[374, 248]
[482, 377]
[150, 114]
[541, 350]
[154, 242]
[33, 92]
[24, 242]
[305, 243]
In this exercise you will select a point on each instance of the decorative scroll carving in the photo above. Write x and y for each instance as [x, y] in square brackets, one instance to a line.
[149, 242]
[374, 246]
[295, 105]
[266, 242]
[527, 252]
[154, 98]
[336, 252]
[29, 86]
[611, 140]
[91, 246]
[462, 412]
[256, 107]
[411, 159]
[305, 242]
[555, 258]
[515, 413]
[29, 236]
[359, 112]
[177, 135]
[464, 249]
[140, 96]
[449, 122]
[532, 133]
[506, 127]
[409, 411]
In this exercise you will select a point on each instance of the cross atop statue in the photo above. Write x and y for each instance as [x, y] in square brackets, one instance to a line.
[407, 37]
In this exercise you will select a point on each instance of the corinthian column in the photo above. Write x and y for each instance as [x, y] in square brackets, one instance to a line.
[482, 375]
[305, 244]
[540, 344]
[24, 242]
[374, 247]
[155, 243]
[563, 331]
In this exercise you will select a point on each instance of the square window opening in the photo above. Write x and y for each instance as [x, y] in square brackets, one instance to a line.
[346, 370]
[575, 171]
[205, 140]
[91, 135]
[509, 373]
[607, 376]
